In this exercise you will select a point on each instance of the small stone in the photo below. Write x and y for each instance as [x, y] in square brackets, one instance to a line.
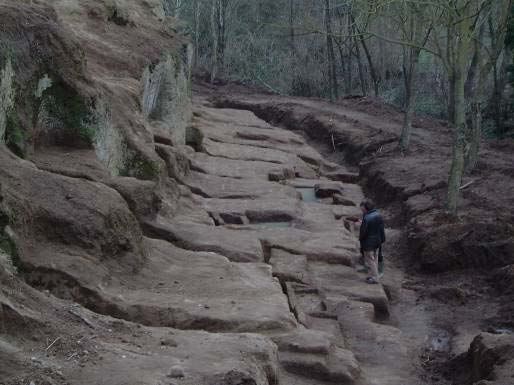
[169, 342]
[276, 176]
[176, 372]
[343, 176]
[327, 190]
[339, 199]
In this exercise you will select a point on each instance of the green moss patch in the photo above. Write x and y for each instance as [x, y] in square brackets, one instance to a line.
[15, 137]
[139, 167]
[64, 105]
[194, 137]
[115, 16]
[7, 245]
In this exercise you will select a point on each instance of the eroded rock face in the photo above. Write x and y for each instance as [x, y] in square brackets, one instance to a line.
[166, 96]
[52, 212]
[35, 78]
[116, 349]
[66, 86]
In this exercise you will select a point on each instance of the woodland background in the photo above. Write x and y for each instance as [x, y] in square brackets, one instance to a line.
[447, 59]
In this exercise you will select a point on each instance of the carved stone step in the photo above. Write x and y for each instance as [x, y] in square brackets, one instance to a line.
[339, 366]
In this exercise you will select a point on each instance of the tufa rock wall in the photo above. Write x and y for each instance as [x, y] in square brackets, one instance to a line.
[103, 75]
[166, 100]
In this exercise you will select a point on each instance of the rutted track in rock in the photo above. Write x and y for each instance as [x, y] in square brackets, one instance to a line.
[338, 314]
[268, 262]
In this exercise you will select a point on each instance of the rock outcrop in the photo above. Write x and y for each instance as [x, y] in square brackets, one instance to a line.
[83, 79]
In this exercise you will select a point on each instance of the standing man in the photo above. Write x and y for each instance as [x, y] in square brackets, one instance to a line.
[371, 237]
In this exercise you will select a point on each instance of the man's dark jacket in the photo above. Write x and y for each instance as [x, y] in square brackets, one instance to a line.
[372, 233]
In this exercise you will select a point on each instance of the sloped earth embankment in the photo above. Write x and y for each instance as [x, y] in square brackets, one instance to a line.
[468, 288]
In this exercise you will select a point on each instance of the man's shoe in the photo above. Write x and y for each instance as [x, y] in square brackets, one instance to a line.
[371, 281]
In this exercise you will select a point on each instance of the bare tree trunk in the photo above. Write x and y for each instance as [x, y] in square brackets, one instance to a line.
[172, 7]
[474, 88]
[461, 63]
[222, 31]
[178, 8]
[344, 66]
[197, 32]
[362, 78]
[291, 27]
[374, 76]
[331, 56]
[506, 63]
[451, 98]
[344, 60]
[472, 71]
[168, 7]
[219, 35]
[214, 28]
[410, 68]
[457, 168]
[348, 68]
[497, 32]
[411, 59]
[471, 156]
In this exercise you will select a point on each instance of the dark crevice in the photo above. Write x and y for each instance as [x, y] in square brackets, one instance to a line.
[245, 160]
[159, 139]
[216, 219]
[202, 171]
[198, 191]
[68, 173]
[266, 251]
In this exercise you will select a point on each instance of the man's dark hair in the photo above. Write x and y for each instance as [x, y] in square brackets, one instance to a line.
[368, 204]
